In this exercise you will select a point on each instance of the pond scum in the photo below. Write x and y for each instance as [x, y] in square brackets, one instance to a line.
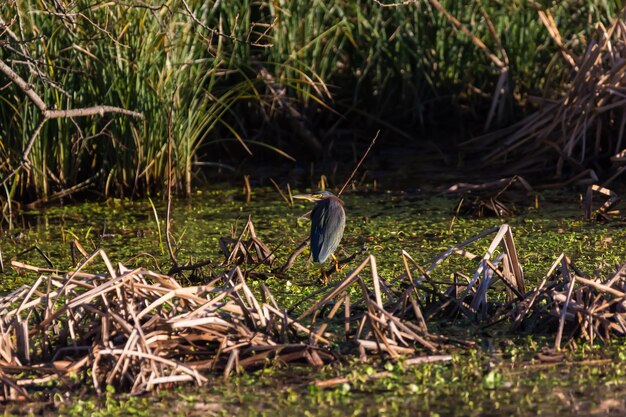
[138, 330]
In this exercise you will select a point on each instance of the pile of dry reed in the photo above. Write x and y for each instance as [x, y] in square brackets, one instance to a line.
[564, 304]
[581, 130]
[138, 329]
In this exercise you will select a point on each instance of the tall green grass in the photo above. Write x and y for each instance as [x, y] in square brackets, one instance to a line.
[343, 63]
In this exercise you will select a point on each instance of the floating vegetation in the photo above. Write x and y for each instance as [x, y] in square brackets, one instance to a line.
[138, 330]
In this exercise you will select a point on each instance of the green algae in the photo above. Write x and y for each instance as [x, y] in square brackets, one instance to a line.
[501, 376]
[475, 383]
[385, 223]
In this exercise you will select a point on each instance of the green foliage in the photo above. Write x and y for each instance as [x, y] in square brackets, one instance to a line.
[501, 374]
[234, 71]
[531, 388]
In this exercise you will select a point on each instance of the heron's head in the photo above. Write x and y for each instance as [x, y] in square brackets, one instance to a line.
[316, 196]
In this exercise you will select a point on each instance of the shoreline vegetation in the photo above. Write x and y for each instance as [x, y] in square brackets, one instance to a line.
[136, 330]
[128, 100]
[222, 84]
[60, 297]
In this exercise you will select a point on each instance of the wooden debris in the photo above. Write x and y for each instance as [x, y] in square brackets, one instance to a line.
[570, 135]
[139, 330]
[136, 330]
[492, 199]
[247, 248]
[604, 212]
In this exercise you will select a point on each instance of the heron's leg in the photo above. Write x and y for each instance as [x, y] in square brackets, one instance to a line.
[337, 267]
[336, 262]
[324, 276]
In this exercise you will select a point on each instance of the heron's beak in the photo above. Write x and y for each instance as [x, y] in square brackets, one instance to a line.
[307, 197]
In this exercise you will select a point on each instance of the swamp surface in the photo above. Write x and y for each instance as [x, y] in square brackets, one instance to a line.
[501, 377]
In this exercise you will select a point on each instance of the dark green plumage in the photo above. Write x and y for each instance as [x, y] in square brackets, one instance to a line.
[328, 220]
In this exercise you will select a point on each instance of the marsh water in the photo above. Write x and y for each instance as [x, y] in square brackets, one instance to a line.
[500, 377]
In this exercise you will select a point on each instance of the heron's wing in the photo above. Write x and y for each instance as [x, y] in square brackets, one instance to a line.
[328, 221]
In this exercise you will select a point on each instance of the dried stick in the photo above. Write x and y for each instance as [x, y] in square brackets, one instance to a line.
[559, 334]
[169, 191]
[359, 164]
[48, 114]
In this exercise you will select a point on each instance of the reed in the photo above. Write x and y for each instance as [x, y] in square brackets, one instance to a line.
[138, 329]
[257, 74]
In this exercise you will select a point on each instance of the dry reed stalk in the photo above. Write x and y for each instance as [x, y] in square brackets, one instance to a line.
[250, 251]
[137, 329]
[603, 211]
[587, 123]
[140, 327]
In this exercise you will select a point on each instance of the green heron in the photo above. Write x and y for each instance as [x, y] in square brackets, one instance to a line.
[328, 219]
